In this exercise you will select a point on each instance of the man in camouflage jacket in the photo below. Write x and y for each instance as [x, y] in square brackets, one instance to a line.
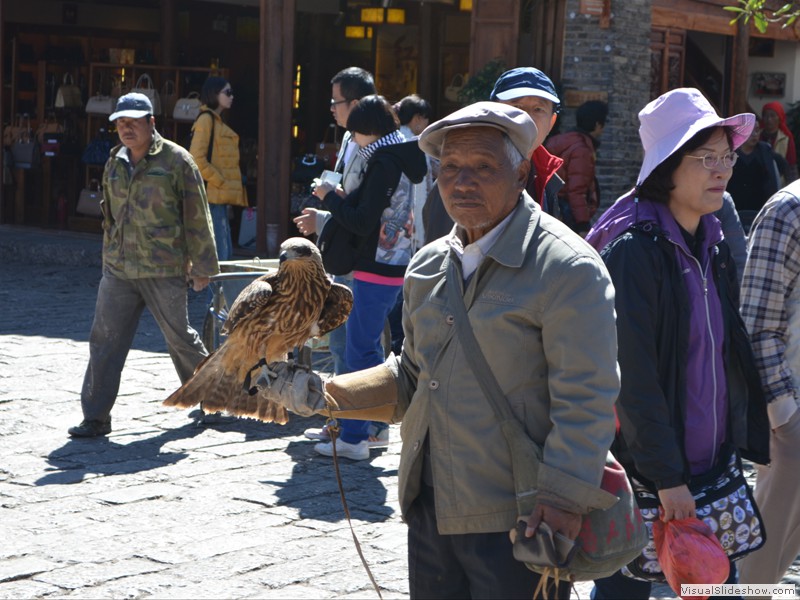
[157, 233]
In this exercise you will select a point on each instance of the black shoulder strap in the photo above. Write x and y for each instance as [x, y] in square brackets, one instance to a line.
[210, 150]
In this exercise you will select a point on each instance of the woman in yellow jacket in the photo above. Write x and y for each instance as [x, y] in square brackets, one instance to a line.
[219, 164]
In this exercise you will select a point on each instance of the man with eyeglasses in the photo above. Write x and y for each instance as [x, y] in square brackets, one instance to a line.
[157, 236]
[348, 86]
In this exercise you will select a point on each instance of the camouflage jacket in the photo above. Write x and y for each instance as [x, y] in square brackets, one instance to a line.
[156, 221]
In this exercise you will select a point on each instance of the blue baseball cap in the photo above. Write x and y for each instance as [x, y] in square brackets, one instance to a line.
[524, 81]
[133, 105]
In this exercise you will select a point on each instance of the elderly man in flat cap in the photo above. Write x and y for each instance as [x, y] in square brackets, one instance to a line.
[540, 304]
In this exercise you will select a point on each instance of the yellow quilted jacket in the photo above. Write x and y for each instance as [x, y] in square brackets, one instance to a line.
[222, 175]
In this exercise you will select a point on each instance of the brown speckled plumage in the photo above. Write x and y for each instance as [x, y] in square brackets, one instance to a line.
[272, 315]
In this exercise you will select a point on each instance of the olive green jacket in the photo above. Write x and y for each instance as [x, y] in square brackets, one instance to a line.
[541, 305]
[156, 221]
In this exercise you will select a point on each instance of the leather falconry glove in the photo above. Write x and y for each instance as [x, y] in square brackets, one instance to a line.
[295, 387]
[370, 394]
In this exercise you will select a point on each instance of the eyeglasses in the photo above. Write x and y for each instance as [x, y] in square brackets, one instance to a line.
[228, 92]
[711, 161]
[335, 102]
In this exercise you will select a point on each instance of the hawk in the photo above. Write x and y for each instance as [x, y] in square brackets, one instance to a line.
[272, 315]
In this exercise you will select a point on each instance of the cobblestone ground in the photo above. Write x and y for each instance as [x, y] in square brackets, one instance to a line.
[164, 508]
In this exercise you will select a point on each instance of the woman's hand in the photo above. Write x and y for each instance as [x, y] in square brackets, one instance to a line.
[307, 221]
[322, 189]
[677, 503]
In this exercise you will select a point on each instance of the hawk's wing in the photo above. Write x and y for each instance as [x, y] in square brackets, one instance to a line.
[254, 296]
[338, 304]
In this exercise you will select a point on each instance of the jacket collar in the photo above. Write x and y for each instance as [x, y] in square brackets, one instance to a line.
[545, 166]
[509, 250]
[121, 152]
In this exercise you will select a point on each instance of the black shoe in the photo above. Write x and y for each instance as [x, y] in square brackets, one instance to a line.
[90, 429]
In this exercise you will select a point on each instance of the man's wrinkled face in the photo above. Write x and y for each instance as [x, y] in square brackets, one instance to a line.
[477, 181]
[136, 134]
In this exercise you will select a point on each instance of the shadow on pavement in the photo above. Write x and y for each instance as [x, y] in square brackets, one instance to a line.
[78, 458]
[314, 492]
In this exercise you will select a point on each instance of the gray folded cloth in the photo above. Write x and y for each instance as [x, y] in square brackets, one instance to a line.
[545, 549]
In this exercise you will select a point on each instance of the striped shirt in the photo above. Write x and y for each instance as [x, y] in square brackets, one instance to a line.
[770, 276]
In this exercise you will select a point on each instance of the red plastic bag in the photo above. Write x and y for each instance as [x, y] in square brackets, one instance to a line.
[689, 552]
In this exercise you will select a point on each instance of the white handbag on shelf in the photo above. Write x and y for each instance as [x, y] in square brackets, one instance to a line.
[101, 105]
[144, 85]
[187, 109]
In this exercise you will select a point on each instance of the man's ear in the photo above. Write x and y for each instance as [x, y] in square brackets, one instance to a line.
[553, 120]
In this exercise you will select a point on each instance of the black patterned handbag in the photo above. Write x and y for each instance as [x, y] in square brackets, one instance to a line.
[724, 502]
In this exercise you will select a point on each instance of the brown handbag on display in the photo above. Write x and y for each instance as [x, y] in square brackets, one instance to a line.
[50, 134]
[26, 148]
[49, 127]
[13, 130]
[328, 148]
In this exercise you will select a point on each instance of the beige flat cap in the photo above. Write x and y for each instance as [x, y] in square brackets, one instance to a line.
[512, 121]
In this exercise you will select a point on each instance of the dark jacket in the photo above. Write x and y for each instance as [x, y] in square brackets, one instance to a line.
[380, 208]
[651, 441]
[755, 178]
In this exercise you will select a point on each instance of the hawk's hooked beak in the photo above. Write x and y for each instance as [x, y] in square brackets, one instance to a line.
[283, 257]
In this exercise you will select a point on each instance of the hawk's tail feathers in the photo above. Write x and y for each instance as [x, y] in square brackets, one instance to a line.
[205, 384]
[219, 390]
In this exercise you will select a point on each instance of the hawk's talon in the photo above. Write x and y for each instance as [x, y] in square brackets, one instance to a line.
[263, 380]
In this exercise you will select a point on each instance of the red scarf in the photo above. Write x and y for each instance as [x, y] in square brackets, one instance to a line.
[791, 154]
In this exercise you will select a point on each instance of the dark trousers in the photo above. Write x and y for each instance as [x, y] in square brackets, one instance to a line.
[120, 303]
[474, 565]
[620, 587]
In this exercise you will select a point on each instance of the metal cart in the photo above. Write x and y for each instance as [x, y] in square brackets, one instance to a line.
[234, 276]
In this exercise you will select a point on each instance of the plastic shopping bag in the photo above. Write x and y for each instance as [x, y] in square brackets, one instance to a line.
[689, 552]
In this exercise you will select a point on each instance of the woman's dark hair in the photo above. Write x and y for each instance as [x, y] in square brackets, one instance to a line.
[659, 184]
[211, 89]
[413, 105]
[354, 83]
[590, 114]
[372, 115]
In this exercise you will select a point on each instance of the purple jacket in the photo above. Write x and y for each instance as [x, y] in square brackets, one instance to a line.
[705, 409]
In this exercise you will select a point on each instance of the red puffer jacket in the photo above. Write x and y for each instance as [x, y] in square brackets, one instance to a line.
[578, 172]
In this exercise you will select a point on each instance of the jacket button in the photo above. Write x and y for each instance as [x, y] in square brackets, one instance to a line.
[449, 319]
[433, 384]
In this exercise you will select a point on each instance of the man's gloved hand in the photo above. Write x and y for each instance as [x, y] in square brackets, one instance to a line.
[295, 387]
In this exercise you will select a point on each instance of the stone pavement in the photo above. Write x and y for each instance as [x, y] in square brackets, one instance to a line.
[163, 508]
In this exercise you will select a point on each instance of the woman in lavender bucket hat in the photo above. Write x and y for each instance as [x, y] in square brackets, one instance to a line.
[687, 370]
